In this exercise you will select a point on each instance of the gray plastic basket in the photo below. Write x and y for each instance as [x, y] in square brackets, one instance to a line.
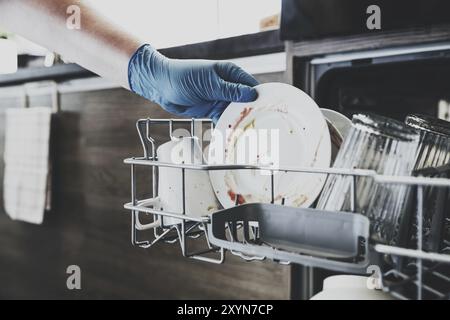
[331, 240]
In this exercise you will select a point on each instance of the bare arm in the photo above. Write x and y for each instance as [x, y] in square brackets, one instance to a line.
[191, 88]
[99, 46]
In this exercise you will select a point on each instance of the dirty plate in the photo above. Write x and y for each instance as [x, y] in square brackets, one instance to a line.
[338, 120]
[339, 127]
[283, 128]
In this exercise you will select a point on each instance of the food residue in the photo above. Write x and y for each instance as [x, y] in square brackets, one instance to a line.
[251, 125]
[244, 113]
[300, 200]
[240, 198]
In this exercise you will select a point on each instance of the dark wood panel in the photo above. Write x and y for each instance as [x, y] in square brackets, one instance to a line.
[88, 227]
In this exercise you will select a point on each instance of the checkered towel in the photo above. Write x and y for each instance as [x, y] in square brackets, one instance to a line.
[26, 163]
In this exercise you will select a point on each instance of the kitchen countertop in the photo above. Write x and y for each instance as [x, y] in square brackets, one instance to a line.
[229, 48]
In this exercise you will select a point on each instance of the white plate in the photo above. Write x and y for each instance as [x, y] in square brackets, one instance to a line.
[339, 121]
[303, 141]
[339, 127]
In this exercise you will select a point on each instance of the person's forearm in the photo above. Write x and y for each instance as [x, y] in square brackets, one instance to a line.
[190, 88]
[99, 46]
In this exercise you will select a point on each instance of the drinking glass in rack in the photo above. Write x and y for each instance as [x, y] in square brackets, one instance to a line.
[434, 145]
[433, 152]
[388, 147]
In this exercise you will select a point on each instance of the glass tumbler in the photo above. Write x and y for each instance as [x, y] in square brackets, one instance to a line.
[433, 154]
[434, 144]
[388, 147]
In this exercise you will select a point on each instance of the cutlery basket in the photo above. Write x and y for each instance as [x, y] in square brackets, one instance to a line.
[338, 241]
[333, 240]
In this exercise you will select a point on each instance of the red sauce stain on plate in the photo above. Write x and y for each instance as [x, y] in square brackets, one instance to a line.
[232, 195]
[244, 113]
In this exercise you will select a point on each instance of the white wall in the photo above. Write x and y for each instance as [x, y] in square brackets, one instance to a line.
[166, 23]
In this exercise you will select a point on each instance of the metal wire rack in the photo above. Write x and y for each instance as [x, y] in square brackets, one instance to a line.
[420, 263]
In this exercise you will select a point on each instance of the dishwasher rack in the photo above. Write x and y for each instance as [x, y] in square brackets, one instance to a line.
[199, 229]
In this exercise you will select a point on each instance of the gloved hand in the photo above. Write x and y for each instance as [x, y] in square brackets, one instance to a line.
[191, 88]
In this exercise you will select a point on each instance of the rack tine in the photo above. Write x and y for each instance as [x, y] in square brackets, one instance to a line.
[192, 127]
[196, 234]
[419, 239]
[205, 230]
[139, 129]
[272, 187]
[156, 240]
[171, 129]
[353, 194]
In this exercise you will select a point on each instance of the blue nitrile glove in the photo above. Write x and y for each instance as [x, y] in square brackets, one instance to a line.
[191, 88]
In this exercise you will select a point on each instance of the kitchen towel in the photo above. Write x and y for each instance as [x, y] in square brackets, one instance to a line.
[26, 158]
